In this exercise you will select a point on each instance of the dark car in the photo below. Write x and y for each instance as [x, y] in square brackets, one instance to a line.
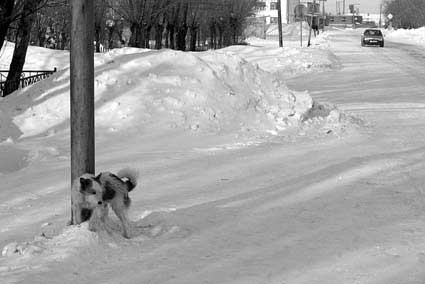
[372, 37]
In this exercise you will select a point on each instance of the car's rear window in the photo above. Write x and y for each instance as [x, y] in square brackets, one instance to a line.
[372, 33]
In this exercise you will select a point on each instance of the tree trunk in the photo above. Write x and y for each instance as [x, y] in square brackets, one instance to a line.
[158, 36]
[140, 42]
[64, 41]
[167, 33]
[181, 37]
[132, 41]
[147, 36]
[199, 38]
[5, 20]
[21, 46]
[136, 38]
[110, 37]
[227, 35]
[97, 37]
[213, 41]
[41, 35]
[193, 37]
[220, 37]
[171, 30]
[182, 29]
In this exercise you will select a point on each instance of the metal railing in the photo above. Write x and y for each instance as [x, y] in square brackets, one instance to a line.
[28, 77]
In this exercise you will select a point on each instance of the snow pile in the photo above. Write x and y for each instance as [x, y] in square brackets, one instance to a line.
[38, 58]
[78, 245]
[44, 251]
[412, 36]
[287, 61]
[70, 239]
[289, 31]
[140, 90]
[293, 59]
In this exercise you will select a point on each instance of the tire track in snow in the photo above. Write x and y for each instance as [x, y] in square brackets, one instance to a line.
[331, 183]
[324, 181]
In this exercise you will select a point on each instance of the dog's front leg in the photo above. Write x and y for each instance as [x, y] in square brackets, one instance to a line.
[98, 218]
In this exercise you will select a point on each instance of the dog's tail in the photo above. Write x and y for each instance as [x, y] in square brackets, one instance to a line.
[130, 176]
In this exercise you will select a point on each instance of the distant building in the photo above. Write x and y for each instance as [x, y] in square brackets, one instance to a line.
[367, 17]
[344, 20]
[268, 10]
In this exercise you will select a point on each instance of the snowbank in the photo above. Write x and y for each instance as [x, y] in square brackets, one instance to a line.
[412, 36]
[287, 61]
[37, 58]
[289, 31]
[293, 59]
[140, 90]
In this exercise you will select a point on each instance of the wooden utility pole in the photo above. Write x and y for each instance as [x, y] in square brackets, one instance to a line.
[312, 13]
[82, 96]
[279, 22]
[288, 15]
[324, 16]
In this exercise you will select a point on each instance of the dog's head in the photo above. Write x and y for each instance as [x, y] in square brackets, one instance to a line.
[96, 189]
[92, 189]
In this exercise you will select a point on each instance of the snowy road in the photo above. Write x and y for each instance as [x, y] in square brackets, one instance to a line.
[386, 88]
[392, 74]
[332, 210]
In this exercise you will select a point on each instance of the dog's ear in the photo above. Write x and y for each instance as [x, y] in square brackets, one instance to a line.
[108, 193]
[85, 185]
[97, 178]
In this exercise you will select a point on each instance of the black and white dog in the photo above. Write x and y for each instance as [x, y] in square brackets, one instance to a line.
[103, 190]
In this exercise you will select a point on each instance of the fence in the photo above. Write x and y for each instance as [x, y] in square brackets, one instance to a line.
[28, 77]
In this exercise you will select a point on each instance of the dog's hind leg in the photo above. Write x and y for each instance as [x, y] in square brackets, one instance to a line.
[121, 213]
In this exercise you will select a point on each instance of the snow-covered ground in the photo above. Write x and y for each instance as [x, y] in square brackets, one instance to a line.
[412, 36]
[243, 180]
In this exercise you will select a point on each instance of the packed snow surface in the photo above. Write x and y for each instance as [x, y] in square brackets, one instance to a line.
[409, 36]
[242, 179]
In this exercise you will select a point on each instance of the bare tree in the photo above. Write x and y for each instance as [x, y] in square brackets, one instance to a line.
[182, 26]
[133, 11]
[6, 10]
[10, 11]
[21, 45]
[99, 21]
[185, 22]
[406, 13]
[52, 25]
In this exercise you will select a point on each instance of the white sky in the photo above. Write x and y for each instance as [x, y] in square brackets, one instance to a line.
[366, 6]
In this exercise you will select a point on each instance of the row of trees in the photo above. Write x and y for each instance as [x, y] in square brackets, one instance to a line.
[179, 24]
[407, 13]
[175, 24]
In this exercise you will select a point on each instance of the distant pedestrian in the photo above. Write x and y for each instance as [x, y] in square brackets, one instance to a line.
[316, 29]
